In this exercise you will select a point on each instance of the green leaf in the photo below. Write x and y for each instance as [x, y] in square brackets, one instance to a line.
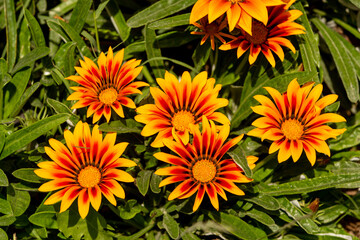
[189, 236]
[27, 174]
[14, 90]
[201, 56]
[238, 227]
[11, 33]
[59, 107]
[171, 226]
[143, 181]
[350, 138]
[24, 39]
[79, 14]
[178, 20]
[118, 20]
[4, 182]
[55, 27]
[154, 183]
[31, 57]
[46, 219]
[342, 60]
[19, 200]
[265, 201]
[24, 98]
[301, 218]
[355, 2]
[5, 207]
[35, 29]
[263, 218]
[309, 185]
[307, 56]
[22, 137]
[158, 10]
[2, 136]
[75, 37]
[280, 83]
[100, 8]
[330, 214]
[7, 220]
[153, 51]
[3, 235]
[239, 157]
[121, 126]
[130, 209]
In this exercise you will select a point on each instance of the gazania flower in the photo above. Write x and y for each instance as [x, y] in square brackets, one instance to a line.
[179, 104]
[86, 169]
[293, 121]
[238, 12]
[268, 38]
[199, 166]
[212, 30]
[106, 86]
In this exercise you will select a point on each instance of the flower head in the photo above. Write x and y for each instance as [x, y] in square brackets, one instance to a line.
[238, 12]
[86, 168]
[212, 30]
[105, 86]
[268, 38]
[179, 104]
[293, 121]
[199, 166]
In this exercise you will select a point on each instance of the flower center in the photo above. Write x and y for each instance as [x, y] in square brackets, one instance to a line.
[204, 171]
[212, 28]
[236, 1]
[182, 119]
[259, 33]
[292, 129]
[89, 177]
[108, 96]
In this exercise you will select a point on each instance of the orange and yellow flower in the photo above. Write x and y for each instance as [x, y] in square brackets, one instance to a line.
[212, 30]
[238, 12]
[293, 121]
[179, 104]
[199, 165]
[106, 86]
[268, 38]
[86, 169]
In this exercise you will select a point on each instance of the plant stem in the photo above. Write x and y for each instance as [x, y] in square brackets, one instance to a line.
[96, 31]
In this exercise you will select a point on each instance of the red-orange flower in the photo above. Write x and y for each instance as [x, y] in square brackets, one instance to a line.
[293, 121]
[199, 166]
[106, 86]
[268, 37]
[238, 12]
[85, 169]
[212, 30]
[179, 104]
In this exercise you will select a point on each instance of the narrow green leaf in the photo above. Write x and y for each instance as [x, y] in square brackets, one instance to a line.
[180, 63]
[118, 20]
[263, 218]
[201, 56]
[171, 226]
[330, 214]
[75, 37]
[31, 57]
[309, 35]
[307, 56]
[11, 33]
[189, 236]
[309, 185]
[265, 201]
[153, 51]
[101, 8]
[350, 138]
[24, 136]
[63, 8]
[24, 98]
[27, 174]
[130, 209]
[348, 27]
[35, 29]
[143, 181]
[4, 182]
[79, 14]
[2, 136]
[237, 227]
[46, 219]
[59, 107]
[239, 157]
[301, 218]
[24, 39]
[342, 60]
[64, 58]
[121, 126]
[355, 2]
[154, 183]
[19, 200]
[170, 22]
[15, 89]
[58, 77]
[280, 83]
[55, 27]
[158, 10]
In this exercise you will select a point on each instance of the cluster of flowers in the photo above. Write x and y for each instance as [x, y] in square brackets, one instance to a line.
[258, 25]
[185, 120]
